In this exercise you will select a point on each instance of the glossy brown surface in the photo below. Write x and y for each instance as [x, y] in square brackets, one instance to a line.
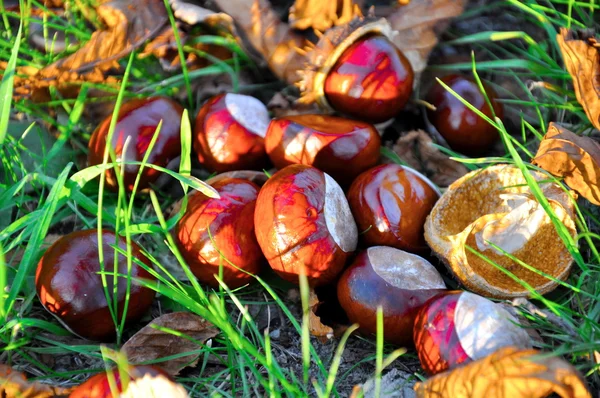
[138, 120]
[361, 290]
[223, 143]
[342, 148]
[98, 386]
[462, 128]
[391, 204]
[69, 286]
[372, 80]
[435, 336]
[229, 220]
[291, 227]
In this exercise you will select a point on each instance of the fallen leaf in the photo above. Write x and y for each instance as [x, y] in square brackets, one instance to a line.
[14, 384]
[417, 150]
[581, 54]
[419, 23]
[576, 158]
[154, 386]
[509, 372]
[321, 15]
[151, 344]
[394, 384]
[323, 332]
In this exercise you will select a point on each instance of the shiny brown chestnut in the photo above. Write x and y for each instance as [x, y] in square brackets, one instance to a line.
[70, 287]
[214, 232]
[397, 281]
[459, 327]
[390, 204]
[137, 122]
[462, 128]
[98, 386]
[304, 225]
[342, 148]
[229, 133]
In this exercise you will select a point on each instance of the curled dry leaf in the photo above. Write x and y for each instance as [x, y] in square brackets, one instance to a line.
[581, 53]
[315, 326]
[15, 384]
[151, 344]
[509, 372]
[576, 158]
[416, 148]
[321, 15]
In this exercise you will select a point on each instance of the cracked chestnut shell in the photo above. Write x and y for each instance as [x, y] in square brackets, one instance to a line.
[98, 386]
[459, 327]
[212, 227]
[229, 133]
[390, 204]
[137, 121]
[70, 287]
[303, 224]
[393, 279]
[462, 128]
[343, 148]
[372, 80]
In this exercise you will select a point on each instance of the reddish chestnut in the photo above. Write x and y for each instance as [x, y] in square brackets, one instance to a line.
[391, 203]
[137, 121]
[372, 80]
[342, 148]
[462, 128]
[398, 281]
[229, 133]
[303, 223]
[98, 386]
[229, 220]
[70, 287]
[460, 327]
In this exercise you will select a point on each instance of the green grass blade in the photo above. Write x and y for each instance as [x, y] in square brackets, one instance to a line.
[6, 87]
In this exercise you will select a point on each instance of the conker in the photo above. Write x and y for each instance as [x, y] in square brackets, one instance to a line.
[138, 120]
[229, 133]
[213, 231]
[342, 148]
[371, 80]
[70, 287]
[390, 204]
[459, 327]
[98, 386]
[303, 224]
[462, 128]
[393, 279]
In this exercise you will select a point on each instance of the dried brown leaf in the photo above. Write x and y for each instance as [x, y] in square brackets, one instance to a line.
[576, 158]
[14, 384]
[417, 150]
[151, 344]
[509, 372]
[321, 15]
[581, 54]
[419, 23]
[315, 326]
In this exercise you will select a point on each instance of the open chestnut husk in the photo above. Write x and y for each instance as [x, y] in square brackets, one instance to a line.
[215, 232]
[390, 204]
[137, 121]
[340, 147]
[355, 69]
[304, 225]
[493, 212]
[70, 287]
[397, 281]
[229, 133]
[457, 327]
[463, 129]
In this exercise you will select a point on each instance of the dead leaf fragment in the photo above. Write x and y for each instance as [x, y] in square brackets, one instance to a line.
[576, 158]
[154, 386]
[417, 150]
[581, 54]
[321, 15]
[14, 384]
[315, 326]
[150, 343]
[509, 372]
